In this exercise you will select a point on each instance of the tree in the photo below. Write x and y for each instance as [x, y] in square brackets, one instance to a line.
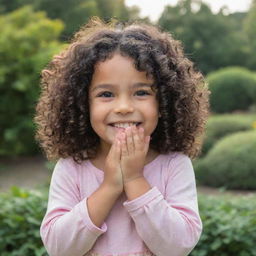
[250, 30]
[210, 40]
[75, 13]
[28, 40]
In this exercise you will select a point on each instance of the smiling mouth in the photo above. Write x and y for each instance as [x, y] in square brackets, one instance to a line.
[125, 125]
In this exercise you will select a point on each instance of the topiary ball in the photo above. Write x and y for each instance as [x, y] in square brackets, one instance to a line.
[231, 89]
[231, 163]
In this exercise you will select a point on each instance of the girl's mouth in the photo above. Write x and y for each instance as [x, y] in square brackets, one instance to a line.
[123, 126]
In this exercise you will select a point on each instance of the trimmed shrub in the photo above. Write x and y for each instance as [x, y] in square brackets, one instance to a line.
[230, 163]
[229, 226]
[252, 91]
[231, 89]
[219, 126]
[21, 213]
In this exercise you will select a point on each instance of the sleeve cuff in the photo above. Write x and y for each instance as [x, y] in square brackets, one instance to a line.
[143, 199]
[88, 222]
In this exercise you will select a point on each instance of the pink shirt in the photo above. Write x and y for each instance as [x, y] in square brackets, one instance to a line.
[162, 222]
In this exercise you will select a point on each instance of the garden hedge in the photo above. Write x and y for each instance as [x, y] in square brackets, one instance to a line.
[219, 126]
[230, 163]
[229, 224]
[21, 213]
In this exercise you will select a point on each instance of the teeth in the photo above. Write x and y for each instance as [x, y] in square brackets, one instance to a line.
[124, 125]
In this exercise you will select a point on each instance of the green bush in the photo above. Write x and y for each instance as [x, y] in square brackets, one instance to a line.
[28, 40]
[21, 214]
[231, 89]
[252, 91]
[219, 126]
[230, 163]
[229, 226]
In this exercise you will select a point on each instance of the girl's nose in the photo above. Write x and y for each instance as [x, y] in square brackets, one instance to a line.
[124, 106]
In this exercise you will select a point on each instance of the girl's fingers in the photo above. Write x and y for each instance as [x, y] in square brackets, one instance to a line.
[141, 133]
[136, 138]
[129, 140]
[124, 150]
[118, 149]
[115, 149]
[147, 142]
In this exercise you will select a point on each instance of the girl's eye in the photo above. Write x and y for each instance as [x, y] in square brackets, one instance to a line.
[105, 94]
[142, 93]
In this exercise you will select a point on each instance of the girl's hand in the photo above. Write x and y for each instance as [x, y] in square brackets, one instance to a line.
[112, 167]
[134, 150]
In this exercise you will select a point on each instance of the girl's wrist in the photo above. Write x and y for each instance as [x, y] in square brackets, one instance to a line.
[126, 181]
[136, 187]
[116, 189]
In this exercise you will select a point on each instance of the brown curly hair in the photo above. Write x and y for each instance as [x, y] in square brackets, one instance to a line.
[62, 112]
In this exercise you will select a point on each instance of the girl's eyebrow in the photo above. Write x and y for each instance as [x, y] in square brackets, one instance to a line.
[111, 86]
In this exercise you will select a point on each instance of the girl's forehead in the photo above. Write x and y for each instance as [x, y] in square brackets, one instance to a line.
[115, 60]
[117, 69]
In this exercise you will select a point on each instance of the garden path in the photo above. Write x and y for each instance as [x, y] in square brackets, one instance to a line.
[26, 172]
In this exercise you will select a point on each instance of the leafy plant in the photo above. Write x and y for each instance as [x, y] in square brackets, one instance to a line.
[21, 214]
[229, 226]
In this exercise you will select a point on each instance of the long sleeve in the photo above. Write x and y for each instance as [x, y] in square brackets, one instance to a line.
[169, 223]
[67, 228]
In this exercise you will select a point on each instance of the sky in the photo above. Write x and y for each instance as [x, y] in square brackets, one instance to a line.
[154, 8]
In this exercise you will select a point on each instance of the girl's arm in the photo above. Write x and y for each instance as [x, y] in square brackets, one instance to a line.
[169, 223]
[72, 225]
[103, 199]
[101, 202]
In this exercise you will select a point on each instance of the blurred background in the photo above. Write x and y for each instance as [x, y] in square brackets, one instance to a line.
[219, 36]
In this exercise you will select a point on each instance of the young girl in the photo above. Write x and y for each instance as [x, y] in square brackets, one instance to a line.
[123, 111]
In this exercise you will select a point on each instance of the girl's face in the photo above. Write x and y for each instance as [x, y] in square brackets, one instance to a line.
[120, 95]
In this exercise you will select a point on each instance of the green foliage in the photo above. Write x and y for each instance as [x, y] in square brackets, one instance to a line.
[252, 91]
[202, 32]
[28, 41]
[250, 28]
[231, 89]
[229, 226]
[75, 13]
[219, 126]
[21, 214]
[72, 13]
[230, 163]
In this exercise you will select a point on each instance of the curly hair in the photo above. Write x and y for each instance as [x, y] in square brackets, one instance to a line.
[62, 111]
